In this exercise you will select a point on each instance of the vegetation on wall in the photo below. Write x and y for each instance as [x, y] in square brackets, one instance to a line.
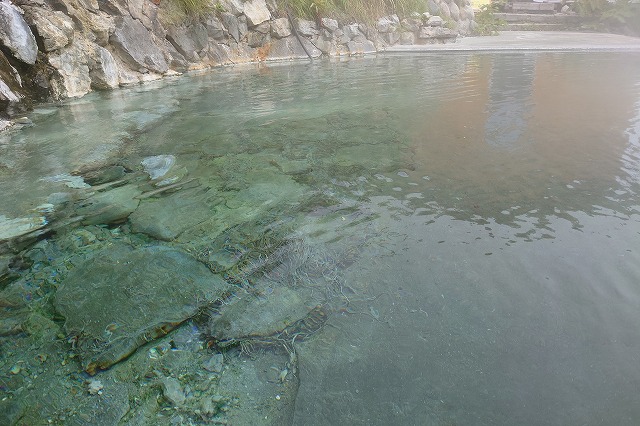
[487, 23]
[176, 11]
[621, 16]
[357, 10]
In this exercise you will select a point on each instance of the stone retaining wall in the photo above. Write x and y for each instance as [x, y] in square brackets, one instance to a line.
[57, 49]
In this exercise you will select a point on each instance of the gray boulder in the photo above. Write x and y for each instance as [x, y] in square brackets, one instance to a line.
[256, 12]
[145, 12]
[454, 10]
[445, 12]
[72, 71]
[257, 39]
[10, 83]
[189, 41]
[280, 28]
[351, 31]
[361, 47]
[136, 47]
[215, 29]
[411, 24]
[264, 28]
[435, 21]
[386, 24]
[102, 26]
[231, 22]
[433, 6]
[16, 35]
[307, 28]
[407, 37]
[233, 6]
[55, 28]
[330, 24]
[437, 33]
[103, 69]
[290, 48]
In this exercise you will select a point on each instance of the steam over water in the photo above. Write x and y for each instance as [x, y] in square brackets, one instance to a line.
[482, 228]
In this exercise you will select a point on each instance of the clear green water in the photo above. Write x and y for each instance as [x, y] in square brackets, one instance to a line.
[469, 222]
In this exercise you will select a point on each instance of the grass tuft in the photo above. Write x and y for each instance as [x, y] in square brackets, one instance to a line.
[352, 10]
[179, 11]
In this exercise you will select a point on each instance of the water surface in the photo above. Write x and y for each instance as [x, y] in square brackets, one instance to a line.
[487, 206]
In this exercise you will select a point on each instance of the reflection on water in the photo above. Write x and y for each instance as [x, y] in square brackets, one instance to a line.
[442, 239]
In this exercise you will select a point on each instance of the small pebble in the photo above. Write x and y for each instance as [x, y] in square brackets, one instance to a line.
[16, 369]
[95, 387]
[403, 174]
[277, 397]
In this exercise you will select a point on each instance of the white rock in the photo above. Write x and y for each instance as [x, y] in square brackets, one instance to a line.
[16, 35]
[158, 165]
[256, 12]
[94, 387]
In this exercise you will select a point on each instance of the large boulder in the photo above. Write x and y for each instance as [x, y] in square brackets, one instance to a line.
[54, 27]
[351, 31]
[103, 69]
[189, 40]
[16, 35]
[361, 47]
[256, 12]
[215, 29]
[306, 28]
[135, 46]
[290, 48]
[233, 6]
[147, 13]
[280, 28]
[454, 10]
[10, 84]
[72, 71]
[233, 25]
[445, 12]
[330, 24]
[387, 24]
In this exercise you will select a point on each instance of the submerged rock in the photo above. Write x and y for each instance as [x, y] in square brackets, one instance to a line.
[110, 206]
[120, 298]
[12, 228]
[158, 165]
[248, 316]
[75, 182]
[172, 391]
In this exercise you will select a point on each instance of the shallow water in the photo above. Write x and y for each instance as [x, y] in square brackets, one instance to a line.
[474, 218]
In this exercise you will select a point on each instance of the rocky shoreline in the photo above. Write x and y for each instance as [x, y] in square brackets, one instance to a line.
[51, 50]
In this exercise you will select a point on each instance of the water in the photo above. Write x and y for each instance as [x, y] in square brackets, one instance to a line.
[469, 222]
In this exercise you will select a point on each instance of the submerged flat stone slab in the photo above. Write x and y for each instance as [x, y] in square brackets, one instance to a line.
[120, 298]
